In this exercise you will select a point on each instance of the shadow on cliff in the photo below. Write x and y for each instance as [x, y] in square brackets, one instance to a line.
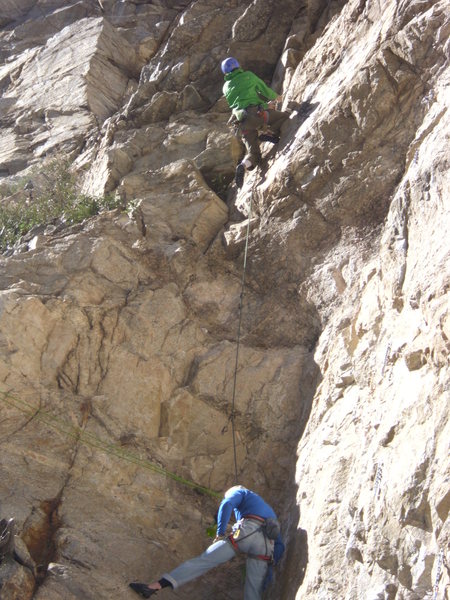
[295, 562]
[290, 580]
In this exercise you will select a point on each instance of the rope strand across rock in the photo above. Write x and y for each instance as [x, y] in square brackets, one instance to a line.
[238, 340]
[80, 435]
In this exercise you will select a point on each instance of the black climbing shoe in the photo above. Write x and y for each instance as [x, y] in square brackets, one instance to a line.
[267, 137]
[303, 109]
[142, 589]
[239, 175]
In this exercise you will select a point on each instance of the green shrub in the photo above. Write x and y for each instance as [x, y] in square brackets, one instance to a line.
[54, 199]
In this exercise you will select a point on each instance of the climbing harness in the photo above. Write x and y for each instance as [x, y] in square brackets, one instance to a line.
[238, 339]
[270, 526]
[235, 537]
[82, 436]
[241, 114]
[254, 518]
[264, 115]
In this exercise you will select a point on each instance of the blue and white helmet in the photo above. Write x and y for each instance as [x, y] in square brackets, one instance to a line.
[229, 64]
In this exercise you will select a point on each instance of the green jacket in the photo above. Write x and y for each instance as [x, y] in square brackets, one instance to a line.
[241, 89]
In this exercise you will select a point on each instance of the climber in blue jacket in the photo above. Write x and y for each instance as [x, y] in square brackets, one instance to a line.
[256, 533]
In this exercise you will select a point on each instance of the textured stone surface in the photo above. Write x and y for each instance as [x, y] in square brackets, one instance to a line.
[118, 336]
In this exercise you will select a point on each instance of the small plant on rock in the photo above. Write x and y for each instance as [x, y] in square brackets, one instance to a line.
[53, 198]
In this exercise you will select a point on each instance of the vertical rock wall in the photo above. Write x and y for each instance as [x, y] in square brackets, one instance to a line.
[118, 336]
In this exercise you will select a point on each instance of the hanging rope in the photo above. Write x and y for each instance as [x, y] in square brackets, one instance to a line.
[238, 341]
[80, 435]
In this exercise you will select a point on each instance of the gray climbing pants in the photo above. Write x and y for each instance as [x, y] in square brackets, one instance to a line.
[223, 551]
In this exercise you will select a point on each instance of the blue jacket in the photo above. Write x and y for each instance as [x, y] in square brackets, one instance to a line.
[245, 502]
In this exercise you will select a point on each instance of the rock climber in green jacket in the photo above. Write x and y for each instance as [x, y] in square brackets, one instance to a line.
[252, 103]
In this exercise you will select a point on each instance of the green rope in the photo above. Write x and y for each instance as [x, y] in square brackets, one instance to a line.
[238, 341]
[80, 435]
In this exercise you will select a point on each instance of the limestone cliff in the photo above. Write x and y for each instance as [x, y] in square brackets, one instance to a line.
[118, 335]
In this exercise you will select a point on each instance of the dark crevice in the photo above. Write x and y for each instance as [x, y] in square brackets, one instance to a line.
[41, 528]
[39, 536]
[297, 554]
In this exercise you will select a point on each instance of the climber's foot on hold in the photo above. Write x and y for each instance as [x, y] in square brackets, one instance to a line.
[239, 175]
[267, 137]
[142, 589]
[245, 165]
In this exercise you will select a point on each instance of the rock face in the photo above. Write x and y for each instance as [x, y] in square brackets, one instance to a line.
[118, 337]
